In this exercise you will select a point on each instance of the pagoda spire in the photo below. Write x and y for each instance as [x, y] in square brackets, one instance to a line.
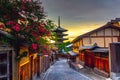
[58, 21]
[59, 33]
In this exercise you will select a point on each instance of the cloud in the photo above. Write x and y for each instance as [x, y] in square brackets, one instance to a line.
[79, 7]
[82, 13]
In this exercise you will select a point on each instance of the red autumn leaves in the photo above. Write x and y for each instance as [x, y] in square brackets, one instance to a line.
[37, 33]
[43, 30]
[15, 26]
[34, 46]
[25, 20]
[43, 48]
[1, 26]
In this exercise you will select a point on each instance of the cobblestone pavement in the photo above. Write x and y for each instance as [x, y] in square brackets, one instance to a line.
[91, 74]
[61, 71]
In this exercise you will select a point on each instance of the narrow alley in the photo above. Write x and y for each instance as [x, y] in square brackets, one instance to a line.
[61, 71]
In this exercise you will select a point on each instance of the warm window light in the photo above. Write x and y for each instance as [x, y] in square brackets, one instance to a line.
[119, 22]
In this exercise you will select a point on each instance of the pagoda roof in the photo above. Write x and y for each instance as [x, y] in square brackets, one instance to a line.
[62, 38]
[60, 29]
[62, 34]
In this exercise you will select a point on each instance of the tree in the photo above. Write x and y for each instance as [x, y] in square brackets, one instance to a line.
[25, 20]
[63, 47]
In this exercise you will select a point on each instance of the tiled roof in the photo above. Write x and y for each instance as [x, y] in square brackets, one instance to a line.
[72, 53]
[100, 50]
[60, 29]
[90, 47]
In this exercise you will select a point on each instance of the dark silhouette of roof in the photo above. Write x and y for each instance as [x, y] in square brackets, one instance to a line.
[72, 53]
[100, 50]
[59, 29]
[88, 47]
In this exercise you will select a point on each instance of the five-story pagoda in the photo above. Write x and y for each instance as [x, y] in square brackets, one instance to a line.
[59, 33]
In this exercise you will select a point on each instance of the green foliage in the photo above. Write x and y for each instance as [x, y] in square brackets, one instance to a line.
[63, 46]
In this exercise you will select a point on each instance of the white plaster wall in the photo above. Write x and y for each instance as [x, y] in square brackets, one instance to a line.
[107, 41]
[115, 39]
[100, 33]
[94, 34]
[115, 32]
[99, 41]
[86, 41]
[108, 32]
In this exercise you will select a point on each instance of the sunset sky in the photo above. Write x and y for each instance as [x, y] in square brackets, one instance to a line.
[81, 16]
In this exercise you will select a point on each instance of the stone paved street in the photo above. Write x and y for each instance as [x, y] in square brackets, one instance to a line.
[61, 71]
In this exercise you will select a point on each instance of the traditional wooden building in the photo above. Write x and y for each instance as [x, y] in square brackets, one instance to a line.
[31, 66]
[87, 56]
[98, 57]
[101, 60]
[72, 56]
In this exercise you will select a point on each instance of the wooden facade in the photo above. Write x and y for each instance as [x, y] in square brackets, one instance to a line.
[33, 66]
[6, 70]
[25, 69]
[89, 59]
[72, 56]
[115, 60]
[102, 36]
[101, 59]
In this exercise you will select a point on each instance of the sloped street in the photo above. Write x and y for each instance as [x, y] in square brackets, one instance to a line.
[61, 71]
